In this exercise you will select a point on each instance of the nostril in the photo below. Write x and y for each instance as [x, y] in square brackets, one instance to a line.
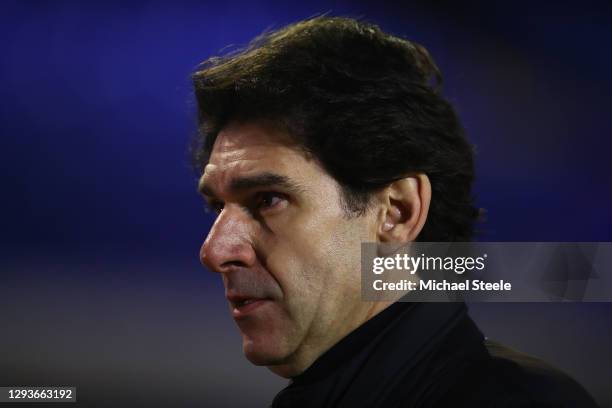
[233, 264]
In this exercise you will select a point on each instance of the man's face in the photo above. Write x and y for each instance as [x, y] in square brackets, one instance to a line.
[288, 255]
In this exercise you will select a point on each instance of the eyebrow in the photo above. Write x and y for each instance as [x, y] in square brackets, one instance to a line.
[262, 180]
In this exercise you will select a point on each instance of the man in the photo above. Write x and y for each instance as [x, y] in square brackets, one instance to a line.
[316, 138]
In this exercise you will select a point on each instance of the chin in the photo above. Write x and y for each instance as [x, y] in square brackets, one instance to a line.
[263, 352]
[273, 355]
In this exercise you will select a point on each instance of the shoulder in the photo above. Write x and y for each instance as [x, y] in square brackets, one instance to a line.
[510, 378]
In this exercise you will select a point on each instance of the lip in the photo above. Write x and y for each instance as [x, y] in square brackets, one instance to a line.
[239, 312]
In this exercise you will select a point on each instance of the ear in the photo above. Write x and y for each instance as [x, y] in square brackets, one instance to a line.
[405, 204]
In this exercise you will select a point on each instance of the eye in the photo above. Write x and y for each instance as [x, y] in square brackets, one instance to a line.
[268, 200]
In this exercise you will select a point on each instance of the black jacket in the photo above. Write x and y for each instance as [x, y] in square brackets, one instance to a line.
[428, 355]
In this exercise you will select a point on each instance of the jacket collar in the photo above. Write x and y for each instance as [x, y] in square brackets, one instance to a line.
[369, 361]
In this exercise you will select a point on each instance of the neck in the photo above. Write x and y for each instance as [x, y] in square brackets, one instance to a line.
[309, 351]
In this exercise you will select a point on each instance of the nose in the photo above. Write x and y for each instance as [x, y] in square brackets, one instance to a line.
[229, 242]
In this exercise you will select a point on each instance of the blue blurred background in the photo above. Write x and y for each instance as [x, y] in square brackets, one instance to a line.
[101, 224]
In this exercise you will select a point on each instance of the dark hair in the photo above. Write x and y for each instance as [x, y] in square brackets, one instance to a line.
[363, 102]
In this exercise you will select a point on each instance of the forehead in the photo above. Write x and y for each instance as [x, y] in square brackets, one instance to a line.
[243, 149]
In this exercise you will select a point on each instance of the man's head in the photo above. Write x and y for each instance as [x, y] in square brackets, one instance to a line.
[317, 137]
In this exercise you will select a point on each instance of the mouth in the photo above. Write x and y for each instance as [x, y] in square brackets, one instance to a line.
[243, 306]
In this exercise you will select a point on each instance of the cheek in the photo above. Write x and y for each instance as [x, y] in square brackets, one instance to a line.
[320, 254]
[299, 252]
